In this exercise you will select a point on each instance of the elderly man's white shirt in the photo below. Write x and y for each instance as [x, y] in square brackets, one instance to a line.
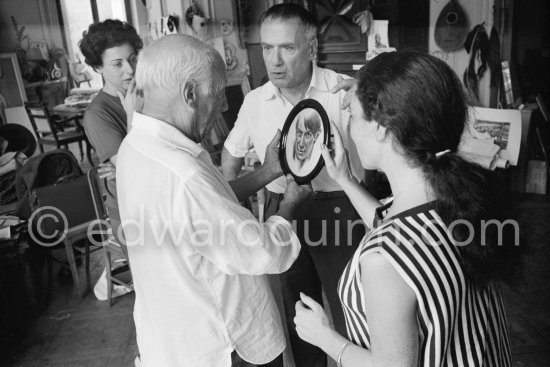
[198, 293]
[265, 109]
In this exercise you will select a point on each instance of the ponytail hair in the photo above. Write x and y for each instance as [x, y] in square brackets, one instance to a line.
[421, 103]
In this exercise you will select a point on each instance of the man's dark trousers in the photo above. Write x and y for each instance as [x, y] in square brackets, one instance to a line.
[330, 231]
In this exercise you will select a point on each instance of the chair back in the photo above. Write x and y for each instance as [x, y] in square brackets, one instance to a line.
[41, 120]
[59, 208]
[98, 199]
[42, 170]
[97, 193]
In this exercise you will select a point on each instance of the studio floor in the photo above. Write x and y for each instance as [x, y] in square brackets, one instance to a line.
[74, 332]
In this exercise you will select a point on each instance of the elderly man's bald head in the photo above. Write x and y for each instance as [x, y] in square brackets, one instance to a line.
[172, 61]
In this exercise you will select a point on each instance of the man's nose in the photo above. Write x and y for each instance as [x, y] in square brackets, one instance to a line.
[276, 58]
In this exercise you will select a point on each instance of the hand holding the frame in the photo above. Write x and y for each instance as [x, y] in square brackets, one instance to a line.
[338, 163]
[272, 155]
[294, 195]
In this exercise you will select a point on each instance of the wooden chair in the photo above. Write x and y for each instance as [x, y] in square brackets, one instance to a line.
[62, 214]
[52, 130]
[103, 228]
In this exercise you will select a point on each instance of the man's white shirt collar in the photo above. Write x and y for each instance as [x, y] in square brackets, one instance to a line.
[166, 132]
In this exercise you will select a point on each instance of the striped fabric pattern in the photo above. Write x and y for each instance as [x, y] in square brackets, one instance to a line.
[459, 324]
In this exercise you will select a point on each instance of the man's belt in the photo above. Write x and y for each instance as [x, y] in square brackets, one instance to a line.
[317, 195]
[328, 194]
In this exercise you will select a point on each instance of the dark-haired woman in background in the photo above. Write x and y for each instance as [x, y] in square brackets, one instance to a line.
[423, 287]
[111, 48]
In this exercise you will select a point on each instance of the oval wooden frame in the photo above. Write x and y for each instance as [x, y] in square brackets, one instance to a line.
[302, 105]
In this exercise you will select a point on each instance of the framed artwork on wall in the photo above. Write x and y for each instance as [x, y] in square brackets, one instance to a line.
[12, 88]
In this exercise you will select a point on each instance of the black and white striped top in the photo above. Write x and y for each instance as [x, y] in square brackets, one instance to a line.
[459, 324]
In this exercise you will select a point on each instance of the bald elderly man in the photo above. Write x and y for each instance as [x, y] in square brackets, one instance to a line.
[197, 256]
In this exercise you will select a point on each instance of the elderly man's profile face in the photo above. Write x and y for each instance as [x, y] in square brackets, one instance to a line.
[286, 52]
[305, 139]
[210, 108]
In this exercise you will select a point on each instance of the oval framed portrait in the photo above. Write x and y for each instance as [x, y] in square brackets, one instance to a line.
[305, 129]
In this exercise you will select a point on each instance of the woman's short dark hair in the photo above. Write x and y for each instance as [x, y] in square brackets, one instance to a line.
[104, 35]
[420, 101]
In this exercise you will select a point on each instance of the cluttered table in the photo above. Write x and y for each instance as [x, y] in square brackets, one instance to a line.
[69, 110]
[75, 104]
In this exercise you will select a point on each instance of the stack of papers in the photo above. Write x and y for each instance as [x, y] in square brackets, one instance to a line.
[79, 99]
[492, 137]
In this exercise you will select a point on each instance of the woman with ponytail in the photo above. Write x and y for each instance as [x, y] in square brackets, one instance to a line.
[423, 287]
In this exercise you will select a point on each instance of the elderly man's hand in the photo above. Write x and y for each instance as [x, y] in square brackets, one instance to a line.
[295, 193]
[347, 85]
[272, 155]
[107, 171]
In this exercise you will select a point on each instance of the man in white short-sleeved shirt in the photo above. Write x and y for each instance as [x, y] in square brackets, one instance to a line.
[195, 252]
[327, 222]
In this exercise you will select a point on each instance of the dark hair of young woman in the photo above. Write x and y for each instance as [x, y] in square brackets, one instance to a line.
[426, 113]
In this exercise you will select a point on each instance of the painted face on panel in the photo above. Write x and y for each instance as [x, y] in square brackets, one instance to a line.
[306, 135]
[287, 53]
[119, 64]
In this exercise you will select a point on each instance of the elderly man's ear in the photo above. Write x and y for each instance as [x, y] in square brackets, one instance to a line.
[190, 94]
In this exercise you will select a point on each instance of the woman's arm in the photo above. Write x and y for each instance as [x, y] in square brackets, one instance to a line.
[390, 309]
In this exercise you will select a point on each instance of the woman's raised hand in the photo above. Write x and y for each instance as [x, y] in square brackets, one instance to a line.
[132, 101]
